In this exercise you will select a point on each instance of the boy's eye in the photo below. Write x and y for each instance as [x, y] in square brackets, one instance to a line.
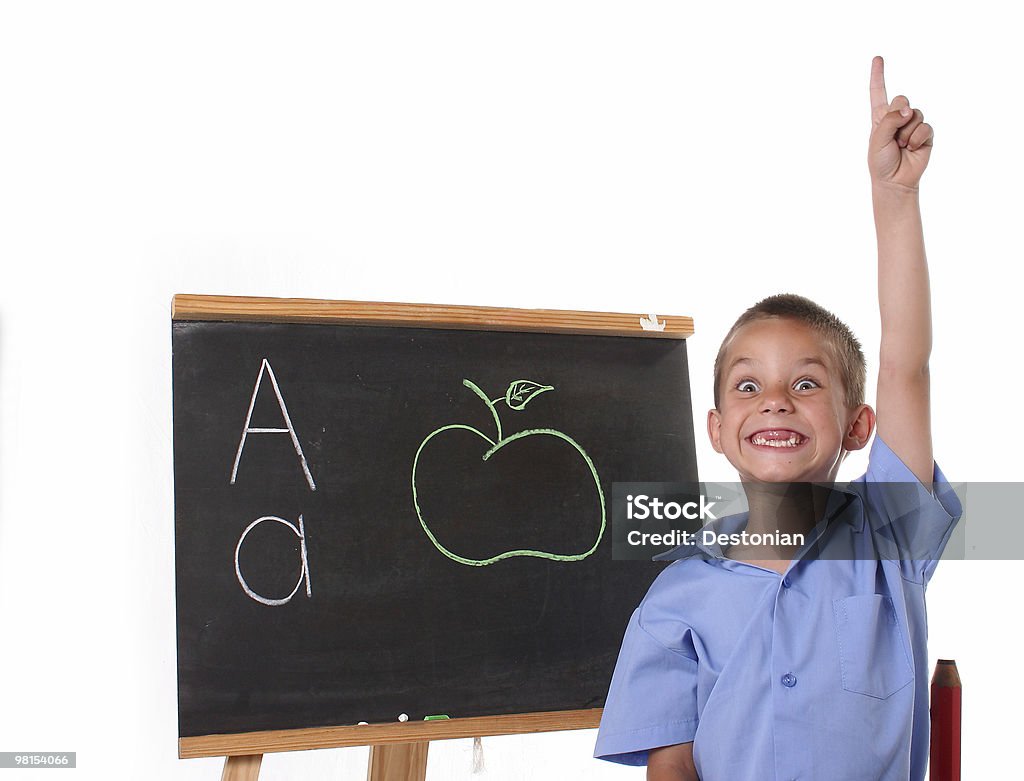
[747, 386]
[806, 384]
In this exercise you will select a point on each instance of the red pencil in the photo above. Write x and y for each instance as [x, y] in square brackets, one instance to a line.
[945, 754]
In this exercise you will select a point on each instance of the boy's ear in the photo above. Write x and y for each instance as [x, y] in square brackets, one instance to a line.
[715, 429]
[860, 428]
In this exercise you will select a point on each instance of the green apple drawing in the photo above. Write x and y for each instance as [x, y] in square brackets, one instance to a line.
[517, 396]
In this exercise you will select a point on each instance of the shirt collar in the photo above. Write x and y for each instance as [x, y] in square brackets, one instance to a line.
[841, 507]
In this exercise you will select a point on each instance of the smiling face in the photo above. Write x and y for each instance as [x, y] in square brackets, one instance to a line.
[782, 413]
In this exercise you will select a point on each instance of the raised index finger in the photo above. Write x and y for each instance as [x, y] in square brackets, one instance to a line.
[878, 97]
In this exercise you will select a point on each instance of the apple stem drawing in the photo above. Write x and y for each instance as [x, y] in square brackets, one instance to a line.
[517, 396]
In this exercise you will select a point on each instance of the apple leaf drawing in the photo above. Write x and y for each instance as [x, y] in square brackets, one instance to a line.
[520, 393]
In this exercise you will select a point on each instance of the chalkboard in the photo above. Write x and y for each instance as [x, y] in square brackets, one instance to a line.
[345, 553]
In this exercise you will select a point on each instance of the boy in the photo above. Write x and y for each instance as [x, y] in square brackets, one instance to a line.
[806, 661]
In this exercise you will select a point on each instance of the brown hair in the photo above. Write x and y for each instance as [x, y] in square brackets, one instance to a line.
[839, 339]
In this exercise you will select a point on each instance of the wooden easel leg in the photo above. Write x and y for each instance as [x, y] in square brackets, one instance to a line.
[398, 762]
[243, 768]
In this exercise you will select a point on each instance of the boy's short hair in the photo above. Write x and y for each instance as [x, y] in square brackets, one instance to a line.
[844, 346]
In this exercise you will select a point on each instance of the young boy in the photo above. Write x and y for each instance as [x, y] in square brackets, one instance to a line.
[806, 661]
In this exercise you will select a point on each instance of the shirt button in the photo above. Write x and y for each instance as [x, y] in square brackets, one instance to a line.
[786, 582]
[789, 680]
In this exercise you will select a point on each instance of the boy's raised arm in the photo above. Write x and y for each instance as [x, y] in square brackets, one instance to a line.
[898, 152]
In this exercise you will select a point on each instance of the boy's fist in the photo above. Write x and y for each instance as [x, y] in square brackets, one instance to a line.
[901, 141]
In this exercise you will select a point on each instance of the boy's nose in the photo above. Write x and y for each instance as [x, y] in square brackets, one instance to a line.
[777, 402]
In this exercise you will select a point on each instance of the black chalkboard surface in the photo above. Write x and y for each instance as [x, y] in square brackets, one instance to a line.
[344, 551]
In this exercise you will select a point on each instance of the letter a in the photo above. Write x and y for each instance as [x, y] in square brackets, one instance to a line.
[303, 574]
[247, 430]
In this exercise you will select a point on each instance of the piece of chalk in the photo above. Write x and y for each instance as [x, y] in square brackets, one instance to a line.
[403, 717]
[434, 718]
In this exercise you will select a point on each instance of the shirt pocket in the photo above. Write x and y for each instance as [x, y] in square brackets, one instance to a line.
[873, 655]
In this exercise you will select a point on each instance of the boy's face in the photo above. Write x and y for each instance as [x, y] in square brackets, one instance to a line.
[782, 415]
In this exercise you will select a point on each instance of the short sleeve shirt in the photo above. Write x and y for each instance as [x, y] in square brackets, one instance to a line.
[818, 673]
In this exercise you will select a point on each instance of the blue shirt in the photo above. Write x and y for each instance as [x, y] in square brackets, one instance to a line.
[818, 674]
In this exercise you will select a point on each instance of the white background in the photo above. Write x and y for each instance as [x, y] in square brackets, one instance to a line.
[631, 157]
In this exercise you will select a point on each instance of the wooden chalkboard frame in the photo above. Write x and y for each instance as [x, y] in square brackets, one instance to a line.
[477, 318]
[217, 308]
[384, 734]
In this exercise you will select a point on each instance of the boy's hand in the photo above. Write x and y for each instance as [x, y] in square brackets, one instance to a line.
[900, 143]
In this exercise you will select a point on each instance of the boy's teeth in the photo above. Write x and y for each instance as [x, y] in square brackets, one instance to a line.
[792, 441]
